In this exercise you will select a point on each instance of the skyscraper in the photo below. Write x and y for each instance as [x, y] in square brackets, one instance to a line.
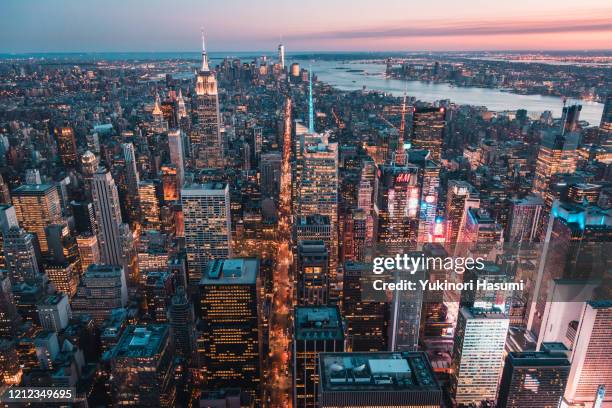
[558, 154]
[20, 256]
[318, 329]
[132, 179]
[206, 215]
[148, 197]
[66, 145]
[477, 357]
[89, 251]
[534, 379]
[205, 136]
[428, 130]
[175, 145]
[182, 322]
[590, 357]
[318, 190]
[366, 318]
[142, 367]
[460, 196]
[397, 206]
[312, 273]
[102, 288]
[405, 310]
[37, 206]
[108, 216]
[525, 217]
[381, 379]
[281, 56]
[229, 346]
[9, 317]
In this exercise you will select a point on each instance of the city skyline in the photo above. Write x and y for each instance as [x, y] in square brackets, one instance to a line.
[441, 26]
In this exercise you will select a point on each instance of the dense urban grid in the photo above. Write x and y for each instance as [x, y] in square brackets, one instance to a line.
[170, 239]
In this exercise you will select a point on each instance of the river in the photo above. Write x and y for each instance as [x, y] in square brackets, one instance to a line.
[356, 75]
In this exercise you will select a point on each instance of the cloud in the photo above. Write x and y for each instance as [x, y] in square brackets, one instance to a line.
[466, 28]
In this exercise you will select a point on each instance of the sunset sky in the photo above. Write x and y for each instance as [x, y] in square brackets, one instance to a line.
[306, 25]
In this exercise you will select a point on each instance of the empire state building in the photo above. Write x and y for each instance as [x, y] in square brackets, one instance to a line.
[205, 138]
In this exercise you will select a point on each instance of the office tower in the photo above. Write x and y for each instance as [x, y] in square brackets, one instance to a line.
[102, 288]
[428, 130]
[460, 196]
[89, 251]
[591, 359]
[47, 348]
[580, 192]
[62, 245]
[20, 256]
[477, 357]
[182, 322]
[318, 329]
[54, 312]
[37, 206]
[66, 145]
[365, 203]
[429, 181]
[158, 288]
[312, 267]
[558, 154]
[605, 126]
[318, 191]
[366, 317]
[355, 236]
[570, 117]
[481, 235]
[295, 70]
[132, 179]
[270, 167]
[108, 217]
[534, 378]
[84, 217]
[281, 56]
[380, 379]
[8, 219]
[181, 108]
[484, 298]
[175, 146]
[33, 176]
[405, 309]
[397, 206]
[63, 275]
[142, 367]
[170, 184]
[9, 317]
[313, 227]
[148, 193]
[159, 120]
[229, 346]
[574, 248]
[206, 215]
[525, 217]
[205, 137]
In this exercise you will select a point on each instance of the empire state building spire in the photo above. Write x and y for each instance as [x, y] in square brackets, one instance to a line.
[205, 67]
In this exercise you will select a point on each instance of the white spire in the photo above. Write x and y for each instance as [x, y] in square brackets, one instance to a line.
[205, 67]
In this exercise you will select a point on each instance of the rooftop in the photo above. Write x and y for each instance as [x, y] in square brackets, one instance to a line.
[239, 271]
[318, 323]
[32, 189]
[141, 341]
[379, 371]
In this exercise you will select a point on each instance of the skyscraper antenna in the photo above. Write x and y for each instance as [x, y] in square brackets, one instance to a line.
[310, 104]
[204, 59]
